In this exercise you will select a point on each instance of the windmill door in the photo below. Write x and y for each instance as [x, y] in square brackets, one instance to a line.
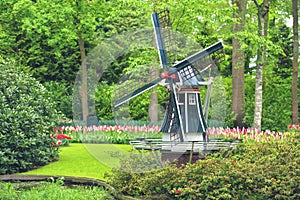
[191, 112]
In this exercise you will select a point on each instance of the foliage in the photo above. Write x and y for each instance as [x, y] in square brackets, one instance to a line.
[26, 121]
[60, 93]
[277, 96]
[44, 36]
[39, 34]
[103, 96]
[51, 191]
[230, 116]
[255, 170]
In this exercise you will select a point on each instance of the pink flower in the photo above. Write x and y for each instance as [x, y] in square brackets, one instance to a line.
[62, 136]
[58, 143]
[115, 128]
[178, 191]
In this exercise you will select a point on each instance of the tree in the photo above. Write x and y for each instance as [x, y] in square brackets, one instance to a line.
[40, 35]
[238, 60]
[263, 21]
[80, 8]
[51, 37]
[295, 62]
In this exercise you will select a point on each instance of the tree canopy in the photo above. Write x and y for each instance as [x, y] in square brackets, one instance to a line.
[50, 37]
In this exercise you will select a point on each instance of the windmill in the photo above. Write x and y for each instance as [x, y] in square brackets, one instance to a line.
[185, 118]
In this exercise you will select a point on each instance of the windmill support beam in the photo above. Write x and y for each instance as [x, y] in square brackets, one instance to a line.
[177, 115]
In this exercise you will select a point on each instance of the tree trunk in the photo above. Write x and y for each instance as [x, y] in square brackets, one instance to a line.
[238, 64]
[83, 91]
[263, 18]
[153, 107]
[295, 63]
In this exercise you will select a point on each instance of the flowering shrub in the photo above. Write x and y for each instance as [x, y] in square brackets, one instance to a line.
[108, 134]
[62, 140]
[261, 167]
[64, 135]
[27, 116]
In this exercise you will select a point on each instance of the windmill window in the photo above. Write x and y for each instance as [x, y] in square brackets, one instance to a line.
[192, 99]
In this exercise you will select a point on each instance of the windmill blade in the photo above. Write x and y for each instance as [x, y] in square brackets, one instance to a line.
[159, 41]
[204, 54]
[199, 65]
[130, 89]
[135, 83]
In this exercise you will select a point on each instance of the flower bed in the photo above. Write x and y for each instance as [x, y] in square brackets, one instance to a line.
[122, 134]
[247, 134]
[106, 134]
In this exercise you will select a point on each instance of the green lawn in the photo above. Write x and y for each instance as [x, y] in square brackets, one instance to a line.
[51, 191]
[84, 160]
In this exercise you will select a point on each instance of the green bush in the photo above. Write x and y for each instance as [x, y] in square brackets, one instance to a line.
[60, 94]
[255, 170]
[27, 119]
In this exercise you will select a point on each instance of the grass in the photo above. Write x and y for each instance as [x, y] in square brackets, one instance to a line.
[84, 160]
[51, 191]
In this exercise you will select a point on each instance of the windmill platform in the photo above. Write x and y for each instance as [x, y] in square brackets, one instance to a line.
[188, 151]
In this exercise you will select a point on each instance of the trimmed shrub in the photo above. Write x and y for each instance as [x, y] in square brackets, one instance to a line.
[266, 169]
[27, 119]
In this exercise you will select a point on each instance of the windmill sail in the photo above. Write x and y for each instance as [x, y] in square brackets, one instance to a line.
[160, 41]
[203, 58]
[130, 89]
[135, 84]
